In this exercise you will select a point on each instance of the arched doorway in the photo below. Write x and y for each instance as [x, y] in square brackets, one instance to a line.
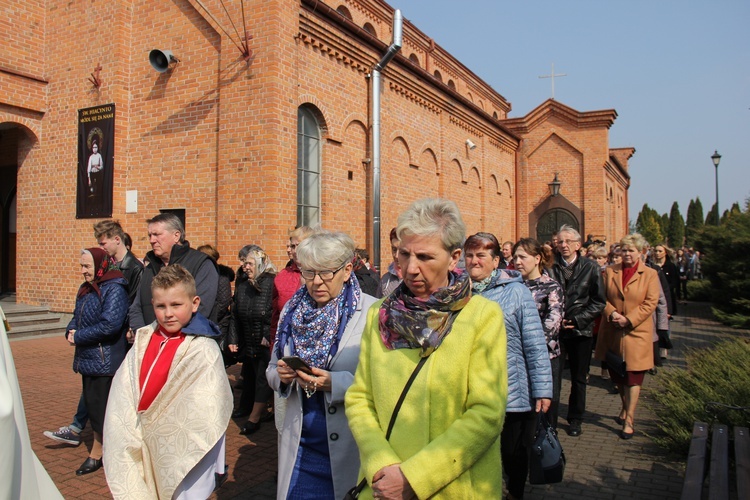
[15, 143]
[550, 223]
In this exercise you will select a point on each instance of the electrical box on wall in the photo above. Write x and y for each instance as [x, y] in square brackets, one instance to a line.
[131, 202]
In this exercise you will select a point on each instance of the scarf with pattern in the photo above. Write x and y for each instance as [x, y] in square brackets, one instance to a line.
[314, 333]
[407, 322]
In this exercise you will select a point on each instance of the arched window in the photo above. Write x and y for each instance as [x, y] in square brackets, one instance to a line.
[438, 76]
[414, 59]
[344, 12]
[551, 221]
[370, 29]
[308, 168]
[451, 85]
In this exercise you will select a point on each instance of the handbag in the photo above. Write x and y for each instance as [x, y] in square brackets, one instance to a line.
[616, 363]
[547, 460]
[353, 493]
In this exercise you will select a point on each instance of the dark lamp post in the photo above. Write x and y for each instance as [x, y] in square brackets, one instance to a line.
[716, 158]
[554, 186]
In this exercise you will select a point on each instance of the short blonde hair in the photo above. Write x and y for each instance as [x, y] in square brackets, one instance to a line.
[173, 276]
[301, 233]
[633, 240]
[434, 216]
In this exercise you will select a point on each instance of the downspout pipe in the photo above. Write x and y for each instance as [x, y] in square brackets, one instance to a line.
[376, 79]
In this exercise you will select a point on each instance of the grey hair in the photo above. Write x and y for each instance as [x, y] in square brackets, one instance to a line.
[171, 222]
[324, 250]
[633, 240]
[570, 230]
[433, 216]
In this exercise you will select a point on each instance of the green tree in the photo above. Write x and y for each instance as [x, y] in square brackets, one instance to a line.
[676, 230]
[649, 225]
[726, 265]
[664, 224]
[732, 212]
[712, 215]
[694, 221]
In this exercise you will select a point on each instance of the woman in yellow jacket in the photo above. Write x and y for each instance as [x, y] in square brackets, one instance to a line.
[445, 441]
[632, 291]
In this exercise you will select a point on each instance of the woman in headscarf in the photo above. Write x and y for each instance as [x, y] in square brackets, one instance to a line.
[98, 334]
[312, 366]
[529, 372]
[250, 328]
[632, 291]
[445, 437]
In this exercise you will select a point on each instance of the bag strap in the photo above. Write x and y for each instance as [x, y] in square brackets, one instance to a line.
[357, 489]
[403, 396]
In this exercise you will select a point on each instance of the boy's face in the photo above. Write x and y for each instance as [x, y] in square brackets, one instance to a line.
[174, 308]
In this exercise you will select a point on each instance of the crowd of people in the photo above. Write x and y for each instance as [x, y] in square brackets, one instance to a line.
[333, 353]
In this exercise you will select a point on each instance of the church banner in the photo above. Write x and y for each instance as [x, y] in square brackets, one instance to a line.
[96, 155]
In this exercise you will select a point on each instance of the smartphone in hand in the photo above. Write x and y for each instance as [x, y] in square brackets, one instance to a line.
[296, 363]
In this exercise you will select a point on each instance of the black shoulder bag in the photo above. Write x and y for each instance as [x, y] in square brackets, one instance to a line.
[353, 493]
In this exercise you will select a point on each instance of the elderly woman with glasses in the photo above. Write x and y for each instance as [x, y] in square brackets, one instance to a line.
[250, 334]
[312, 366]
[445, 439]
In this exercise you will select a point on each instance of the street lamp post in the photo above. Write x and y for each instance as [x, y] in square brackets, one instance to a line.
[716, 157]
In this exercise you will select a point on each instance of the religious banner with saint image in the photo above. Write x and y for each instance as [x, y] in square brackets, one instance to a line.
[96, 154]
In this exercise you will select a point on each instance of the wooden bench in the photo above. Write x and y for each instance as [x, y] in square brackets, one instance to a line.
[718, 468]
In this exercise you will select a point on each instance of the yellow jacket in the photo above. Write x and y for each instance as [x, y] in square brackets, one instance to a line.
[447, 433]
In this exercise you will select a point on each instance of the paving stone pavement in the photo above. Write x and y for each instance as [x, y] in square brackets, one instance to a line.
[600, 465]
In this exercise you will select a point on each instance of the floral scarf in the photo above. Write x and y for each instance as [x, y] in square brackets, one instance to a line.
[105, 269]
[407, 322]
[314, 333]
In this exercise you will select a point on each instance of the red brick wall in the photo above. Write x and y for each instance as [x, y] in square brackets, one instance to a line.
[216, 135]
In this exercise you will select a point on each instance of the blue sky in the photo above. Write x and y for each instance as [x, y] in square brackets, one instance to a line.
[677, 72]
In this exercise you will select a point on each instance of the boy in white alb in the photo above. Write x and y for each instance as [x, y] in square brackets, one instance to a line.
[170, 402]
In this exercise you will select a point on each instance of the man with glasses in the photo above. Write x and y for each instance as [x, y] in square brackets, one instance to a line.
[582, 285]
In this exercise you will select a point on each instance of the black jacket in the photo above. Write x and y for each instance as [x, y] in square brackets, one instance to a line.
[251, 315]
[224, 302]
[584, 295]
[367, 281]
[132, 269]
[142, 311]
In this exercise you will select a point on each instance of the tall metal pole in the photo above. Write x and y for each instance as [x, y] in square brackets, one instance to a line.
[376, 80]
[716, 158]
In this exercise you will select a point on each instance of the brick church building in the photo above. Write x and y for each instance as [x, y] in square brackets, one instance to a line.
[260, 121]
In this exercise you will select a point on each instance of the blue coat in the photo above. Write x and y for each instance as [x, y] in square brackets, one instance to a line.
[529, 370]
[99, 323]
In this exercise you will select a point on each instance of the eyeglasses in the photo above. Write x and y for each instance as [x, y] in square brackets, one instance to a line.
[567, 242]
[244, 262]
[324, 275]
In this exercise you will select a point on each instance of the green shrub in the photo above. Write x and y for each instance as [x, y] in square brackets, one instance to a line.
[721, 374]
[735, 320]
[699, 290]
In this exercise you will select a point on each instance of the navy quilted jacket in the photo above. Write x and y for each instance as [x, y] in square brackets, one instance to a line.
[99, 323]
[529, 370]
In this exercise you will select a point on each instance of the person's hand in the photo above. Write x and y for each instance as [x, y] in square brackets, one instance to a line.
[542, 404]
[390, 483]
[320, 379]
[130, 336]
[620, 320]
[233, 347]
[286, 374]
[264, 342]
[70, 337]
[568, 324]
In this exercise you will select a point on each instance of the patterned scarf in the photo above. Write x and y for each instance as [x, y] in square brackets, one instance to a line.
[407, 322]
[314, 333]
[480, 286]
[105, 269]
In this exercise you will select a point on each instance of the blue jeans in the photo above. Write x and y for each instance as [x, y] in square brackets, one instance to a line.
[80, 418]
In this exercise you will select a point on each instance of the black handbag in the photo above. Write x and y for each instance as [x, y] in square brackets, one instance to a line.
[353, 493]
[616, 363]
[547, 460]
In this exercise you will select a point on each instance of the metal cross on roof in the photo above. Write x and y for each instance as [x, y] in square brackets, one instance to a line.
[552, 77]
